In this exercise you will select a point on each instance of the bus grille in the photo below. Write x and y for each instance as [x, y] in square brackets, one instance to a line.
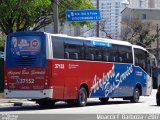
[25, 61]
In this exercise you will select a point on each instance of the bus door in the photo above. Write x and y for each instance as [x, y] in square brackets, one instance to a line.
[149, 74]
[143, 70]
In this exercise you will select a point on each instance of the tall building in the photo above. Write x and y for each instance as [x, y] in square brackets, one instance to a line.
[111, 18]
[151, 3]
[157, 3]
[144, 3]
[139, 3]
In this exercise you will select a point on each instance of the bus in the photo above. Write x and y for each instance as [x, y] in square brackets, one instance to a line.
[47, 68]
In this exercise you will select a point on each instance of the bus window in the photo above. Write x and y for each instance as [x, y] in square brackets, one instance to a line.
[92, 52]
[66, 55]
[148, 67]
[113, 57]
[125, 54]
[140, 58]
[74, 48]
[57, 43]
[109, 54]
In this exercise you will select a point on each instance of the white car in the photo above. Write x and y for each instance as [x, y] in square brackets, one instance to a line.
[1, 54]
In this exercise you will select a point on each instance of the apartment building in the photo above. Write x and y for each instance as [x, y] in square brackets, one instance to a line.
[111, 19]
[144, 3]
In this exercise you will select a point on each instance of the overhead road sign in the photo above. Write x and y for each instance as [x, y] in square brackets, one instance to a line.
[82, 15]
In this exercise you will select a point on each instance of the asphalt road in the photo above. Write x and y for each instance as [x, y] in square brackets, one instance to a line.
[147, 105]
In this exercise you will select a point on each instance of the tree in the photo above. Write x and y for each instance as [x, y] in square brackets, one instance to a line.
[103, 28]
[20, 15]
[139, 32]
[2, 41]
[74, 5]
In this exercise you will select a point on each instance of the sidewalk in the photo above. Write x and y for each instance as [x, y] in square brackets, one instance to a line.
[4, 102]
[2, 96]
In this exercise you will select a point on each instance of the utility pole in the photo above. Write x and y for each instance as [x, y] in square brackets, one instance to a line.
[157, 42]
[97, 29]
[55, 4]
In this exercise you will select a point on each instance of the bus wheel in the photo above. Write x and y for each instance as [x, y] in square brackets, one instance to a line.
[158, 102]
[104, 100]
[82, 97]
[136, 95]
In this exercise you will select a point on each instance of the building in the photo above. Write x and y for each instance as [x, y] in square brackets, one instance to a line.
[139, 3]
[144, 3]
[111, 17]
[151, 15]
[156, 3]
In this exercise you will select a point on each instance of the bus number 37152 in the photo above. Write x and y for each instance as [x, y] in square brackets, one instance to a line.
[23, 81]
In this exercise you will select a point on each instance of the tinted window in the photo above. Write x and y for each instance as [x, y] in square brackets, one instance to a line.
[73, 49]
[140, 58]
[91, 50]
[110, 54]
[58, 48]
[93, 53]
[125, 54]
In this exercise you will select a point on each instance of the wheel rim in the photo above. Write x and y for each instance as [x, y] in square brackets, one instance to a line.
[82, 98]
[136, 95]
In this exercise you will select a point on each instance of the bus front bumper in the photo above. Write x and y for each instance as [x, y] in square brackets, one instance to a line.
[29, 94]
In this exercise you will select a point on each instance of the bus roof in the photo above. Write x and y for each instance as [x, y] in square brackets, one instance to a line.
[112, 41]
[139, 47]
[120, 42]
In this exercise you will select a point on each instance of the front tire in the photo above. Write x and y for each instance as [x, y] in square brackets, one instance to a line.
[158, 100]
[136, 95]
[82, 97]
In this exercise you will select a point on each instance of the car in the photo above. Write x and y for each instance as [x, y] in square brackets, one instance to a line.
[1, 54]
[158, 96]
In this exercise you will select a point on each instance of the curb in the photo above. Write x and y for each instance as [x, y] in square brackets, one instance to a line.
[15, 103]
[6, 105]
[2, 96]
